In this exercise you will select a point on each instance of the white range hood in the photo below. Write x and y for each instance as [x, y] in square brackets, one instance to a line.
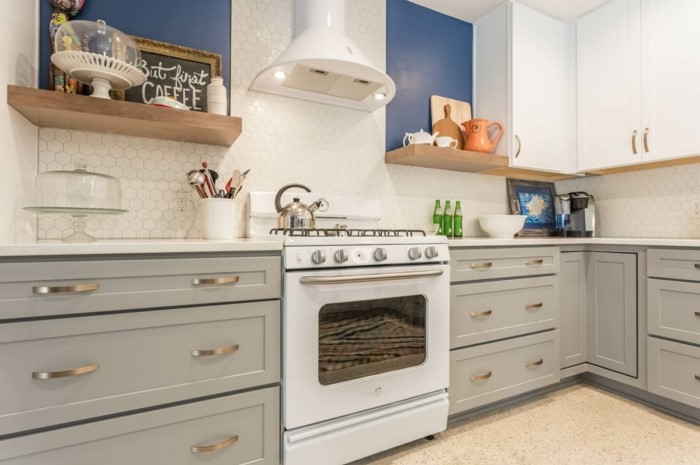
[323, 65]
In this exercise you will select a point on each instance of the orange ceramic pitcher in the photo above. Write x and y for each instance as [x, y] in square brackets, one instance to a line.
[477, 139]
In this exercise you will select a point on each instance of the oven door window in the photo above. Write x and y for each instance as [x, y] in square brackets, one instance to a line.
[370, 337]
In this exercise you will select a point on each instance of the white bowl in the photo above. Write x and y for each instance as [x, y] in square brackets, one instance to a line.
[502, 225]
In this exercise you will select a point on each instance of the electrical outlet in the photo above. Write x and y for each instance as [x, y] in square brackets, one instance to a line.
[180, 202]
[695, 208]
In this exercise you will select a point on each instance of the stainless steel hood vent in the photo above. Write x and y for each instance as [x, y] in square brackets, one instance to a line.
[323, 65]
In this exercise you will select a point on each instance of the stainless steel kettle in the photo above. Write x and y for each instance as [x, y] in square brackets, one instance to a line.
[296, 215]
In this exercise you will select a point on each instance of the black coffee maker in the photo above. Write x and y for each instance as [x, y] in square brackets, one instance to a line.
[575, 214]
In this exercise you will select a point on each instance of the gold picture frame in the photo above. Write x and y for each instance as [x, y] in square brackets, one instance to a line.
[174, 53]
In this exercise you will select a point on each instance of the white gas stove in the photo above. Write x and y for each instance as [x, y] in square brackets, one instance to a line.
[365, 331]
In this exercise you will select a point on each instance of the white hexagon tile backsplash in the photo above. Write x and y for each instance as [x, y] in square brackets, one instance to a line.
[329, 149]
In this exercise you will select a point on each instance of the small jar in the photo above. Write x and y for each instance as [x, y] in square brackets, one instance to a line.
[216, 96]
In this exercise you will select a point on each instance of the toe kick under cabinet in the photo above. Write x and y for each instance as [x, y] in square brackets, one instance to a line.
[155, 359]
[503, 314]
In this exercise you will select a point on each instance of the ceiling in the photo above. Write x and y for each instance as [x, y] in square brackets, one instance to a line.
[472, 10]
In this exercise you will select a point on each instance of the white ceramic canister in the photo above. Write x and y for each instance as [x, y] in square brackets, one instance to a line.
[216, 96]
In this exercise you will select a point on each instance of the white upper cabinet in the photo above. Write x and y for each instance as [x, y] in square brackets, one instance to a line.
[609, 86]
[638, 74]
[671, 78]
[522, 78]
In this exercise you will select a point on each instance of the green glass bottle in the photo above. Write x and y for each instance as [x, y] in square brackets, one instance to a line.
[447, 220]
[457, 230]
[437, 216]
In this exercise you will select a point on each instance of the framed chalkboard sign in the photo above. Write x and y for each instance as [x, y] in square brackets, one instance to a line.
[174, 71]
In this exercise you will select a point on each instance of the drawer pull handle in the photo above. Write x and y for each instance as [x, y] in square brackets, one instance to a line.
[474, 378]
[697, 314]
[697, 266]
[697, 377]
[534, 363]
[65, 289]
[215, 281]
[537, 261]
[65, 373]
[214, 447]
[480, 265]
[219, 351]
[531, 306]
[480, 314]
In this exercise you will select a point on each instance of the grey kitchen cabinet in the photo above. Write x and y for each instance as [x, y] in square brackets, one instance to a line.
[572, 308]
[88, 343]
[673, 296]
[611, 300]
[503, 313]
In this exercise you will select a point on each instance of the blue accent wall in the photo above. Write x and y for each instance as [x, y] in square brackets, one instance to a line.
[204, 25]
[428, 53]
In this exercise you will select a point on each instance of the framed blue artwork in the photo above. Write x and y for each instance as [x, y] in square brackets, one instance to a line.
[535, 200]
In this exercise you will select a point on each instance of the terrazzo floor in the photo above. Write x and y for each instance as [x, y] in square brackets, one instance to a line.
[576, 425]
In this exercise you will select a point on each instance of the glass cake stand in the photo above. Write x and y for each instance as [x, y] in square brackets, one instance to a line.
[79, 219]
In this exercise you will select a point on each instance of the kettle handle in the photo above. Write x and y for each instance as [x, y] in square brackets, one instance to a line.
[498, 136]
[278, 197]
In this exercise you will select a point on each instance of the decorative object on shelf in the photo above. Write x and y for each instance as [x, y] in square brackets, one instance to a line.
[535, 200]
[99, 55]
[420, 137]
[78, 193]
[460, 111]
[216, 96]
[63, 10]
[174, 71]
[448, 128]
[446, 141]
[169, 102]
[478, 139]
[502, 226]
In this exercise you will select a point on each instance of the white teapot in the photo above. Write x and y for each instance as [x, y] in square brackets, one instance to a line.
[420, 137]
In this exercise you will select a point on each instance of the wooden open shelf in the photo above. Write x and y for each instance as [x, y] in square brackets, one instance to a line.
[429, 156]
[51, 109]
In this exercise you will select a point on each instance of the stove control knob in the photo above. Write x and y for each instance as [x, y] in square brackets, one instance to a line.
[380, 254]
[414, 253]
[431, 252]
[318, 257]
[341, 256]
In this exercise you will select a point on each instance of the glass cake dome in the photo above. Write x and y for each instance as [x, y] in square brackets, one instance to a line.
[99, 55]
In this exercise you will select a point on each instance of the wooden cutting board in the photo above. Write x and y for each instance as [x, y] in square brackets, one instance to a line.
[447, 127]
[461, 111]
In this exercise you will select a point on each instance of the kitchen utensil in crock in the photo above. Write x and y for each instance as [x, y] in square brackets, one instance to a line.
[478, 136]
[196, 180]
[296, 215]
[447, 127]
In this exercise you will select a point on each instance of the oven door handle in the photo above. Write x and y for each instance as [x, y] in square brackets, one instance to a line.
[368, 278]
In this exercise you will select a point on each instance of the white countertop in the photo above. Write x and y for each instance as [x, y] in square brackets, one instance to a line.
[151, 246]
[638, 241]
[137, 246]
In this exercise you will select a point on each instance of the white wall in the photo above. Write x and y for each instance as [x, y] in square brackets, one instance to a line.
[18, 66]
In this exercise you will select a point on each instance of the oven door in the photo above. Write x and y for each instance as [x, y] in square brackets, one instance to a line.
[356, 339]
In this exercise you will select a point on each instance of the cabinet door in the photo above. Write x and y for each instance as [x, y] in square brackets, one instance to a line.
[609, 86]
[670, 78]
[572, 308]
[539, 98]
[611, 279]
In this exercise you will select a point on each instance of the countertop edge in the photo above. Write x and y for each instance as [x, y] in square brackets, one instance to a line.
[563, 241]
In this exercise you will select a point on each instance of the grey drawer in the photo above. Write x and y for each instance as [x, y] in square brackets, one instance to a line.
[478, 264]
[674, 370]
[674, 309]
[674, 264]
[481, 312]
[490, 372]
[163, 436]
[133, 284]
[143, 359]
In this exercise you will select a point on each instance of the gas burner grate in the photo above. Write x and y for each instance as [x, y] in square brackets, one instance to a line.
[345, 232]
[310, 232]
